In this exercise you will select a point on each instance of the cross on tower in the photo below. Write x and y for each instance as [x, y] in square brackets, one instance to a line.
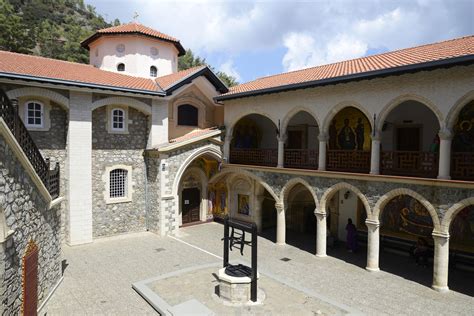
[135, 16]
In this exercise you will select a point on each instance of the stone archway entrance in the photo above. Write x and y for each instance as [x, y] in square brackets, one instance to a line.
[190, 203]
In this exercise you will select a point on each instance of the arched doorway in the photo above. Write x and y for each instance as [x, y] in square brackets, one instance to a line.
[300, 219]
[406, 242]
[462, 156]
[461, 248]
[347, 241]
[410, 142]
[301, 146]
[349, 141]
[254, 141]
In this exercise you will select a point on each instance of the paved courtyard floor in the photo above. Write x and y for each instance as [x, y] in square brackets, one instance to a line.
[98, 276]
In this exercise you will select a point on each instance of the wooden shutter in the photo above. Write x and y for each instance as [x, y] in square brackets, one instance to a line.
[30, 280]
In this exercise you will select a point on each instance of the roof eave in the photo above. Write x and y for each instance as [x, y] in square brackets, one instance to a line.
[79, 84]
[208, 73]
[444, 63]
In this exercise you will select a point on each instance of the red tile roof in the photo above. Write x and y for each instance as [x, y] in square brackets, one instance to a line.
[46, 68]
[459, 47]
[134, 28]
[193, 134]
[169, 80]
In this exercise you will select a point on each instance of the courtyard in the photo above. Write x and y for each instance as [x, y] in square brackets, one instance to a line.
[98, 277]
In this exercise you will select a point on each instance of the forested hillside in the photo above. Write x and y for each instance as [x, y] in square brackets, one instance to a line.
[55, 28]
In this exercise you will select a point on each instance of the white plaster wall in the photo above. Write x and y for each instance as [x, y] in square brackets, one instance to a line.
[442, 87]
[419, 115]
[136, 57]
[347, 209]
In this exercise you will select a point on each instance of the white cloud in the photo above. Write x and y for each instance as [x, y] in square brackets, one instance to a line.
[229, 68]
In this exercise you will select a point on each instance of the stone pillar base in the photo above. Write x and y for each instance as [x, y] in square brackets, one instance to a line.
[235, 290]
[372, 269]
[441, 289]
[321, 256]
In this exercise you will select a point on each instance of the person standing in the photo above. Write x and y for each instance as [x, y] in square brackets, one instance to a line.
[351, 238]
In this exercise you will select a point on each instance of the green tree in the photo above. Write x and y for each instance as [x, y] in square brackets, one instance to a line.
[14, 35]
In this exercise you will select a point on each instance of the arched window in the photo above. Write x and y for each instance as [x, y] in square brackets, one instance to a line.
[153, 71]
[187, 115]
[118, 120]
[118, 183]
[121, 67]
[34, 114]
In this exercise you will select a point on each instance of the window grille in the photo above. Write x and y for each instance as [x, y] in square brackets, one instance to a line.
[118, 118]
[34, 114]
[153, 71]
[118, 183]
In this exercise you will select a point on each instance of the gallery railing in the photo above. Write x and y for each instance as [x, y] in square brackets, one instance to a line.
[254, 156]
[348, 161]
[301, 158]
[410, 163]
[462, 164]
[9, 113]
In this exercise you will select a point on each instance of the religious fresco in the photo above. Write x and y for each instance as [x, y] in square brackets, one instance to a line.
[243, 204]
[350, 130]
[246, 134]
[217, 199]
[463, 140]
[404, 215]
[210, 167]
[461, 231]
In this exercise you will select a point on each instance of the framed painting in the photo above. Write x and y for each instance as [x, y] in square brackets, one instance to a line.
[243, 206]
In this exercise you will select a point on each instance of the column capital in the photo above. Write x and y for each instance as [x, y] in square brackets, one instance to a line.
[372, 223]
[320, 214]
[445, 134]
[377, 137]
[440, 235]
[323, 137]
[279, 207]
[282, 138]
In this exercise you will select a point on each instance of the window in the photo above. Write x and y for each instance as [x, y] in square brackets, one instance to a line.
[153, 71]
[118, 183]
[187, 115]
[118, 120]
[34, 114]
[121, 67]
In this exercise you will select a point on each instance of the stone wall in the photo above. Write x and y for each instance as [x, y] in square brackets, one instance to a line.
[118, 149]
[27, 214]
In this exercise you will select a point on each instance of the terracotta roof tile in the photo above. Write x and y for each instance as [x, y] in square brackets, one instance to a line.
[458, 47]
[193, 134]
[28, 65]
[169, 80]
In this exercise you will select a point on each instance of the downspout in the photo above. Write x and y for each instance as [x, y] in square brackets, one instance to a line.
[146, 192]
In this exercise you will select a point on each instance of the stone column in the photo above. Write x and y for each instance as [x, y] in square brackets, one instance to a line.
[159, 123]
[372, 244]
[79, 168]
[323, 140]
[321, 235]
[281, 224]
[258, 212]
[281, 151]
[441, 261]
[444, 170]
[375, 155]
[227, 141]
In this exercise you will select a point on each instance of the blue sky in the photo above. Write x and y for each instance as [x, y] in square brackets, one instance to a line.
[251, 39]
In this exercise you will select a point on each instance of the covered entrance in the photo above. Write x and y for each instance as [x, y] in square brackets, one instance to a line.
[190, 204]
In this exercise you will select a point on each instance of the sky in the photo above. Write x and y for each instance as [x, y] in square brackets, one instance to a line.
[252, 39]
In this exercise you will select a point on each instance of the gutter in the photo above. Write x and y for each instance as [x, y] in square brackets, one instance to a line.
[209, 74]
[444, 63]
[80, 84]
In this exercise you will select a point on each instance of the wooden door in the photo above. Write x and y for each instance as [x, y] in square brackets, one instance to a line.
[190, 203]
[408, 139]
[30, 280]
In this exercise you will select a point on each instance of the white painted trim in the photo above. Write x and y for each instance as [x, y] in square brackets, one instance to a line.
[55, 202]
[39, 92]
[129, 184]
[109, 119]
[134, 103]
[18, 151]
[43, 125]
[46, 300]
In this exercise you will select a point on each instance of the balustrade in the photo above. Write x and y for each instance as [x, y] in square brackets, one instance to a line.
[301, 158]
[348, 161]
[9, 113]
[462, 166]
[410, 163]
[254, 156]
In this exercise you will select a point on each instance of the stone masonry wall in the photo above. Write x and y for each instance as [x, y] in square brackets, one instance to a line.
[118, 149]
[27, 213]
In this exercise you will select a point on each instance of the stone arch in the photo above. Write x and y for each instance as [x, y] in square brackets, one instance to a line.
[206, 150]
[340, 106]
[329, 193]
[384, 113]
[194, 101]
[457, 107]
[249, 175]
[293, 112]
[384, 199]
[234, 122]
[39, 92]
[291, 184]
[452, 212]
[203, 188]
[136, 104]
